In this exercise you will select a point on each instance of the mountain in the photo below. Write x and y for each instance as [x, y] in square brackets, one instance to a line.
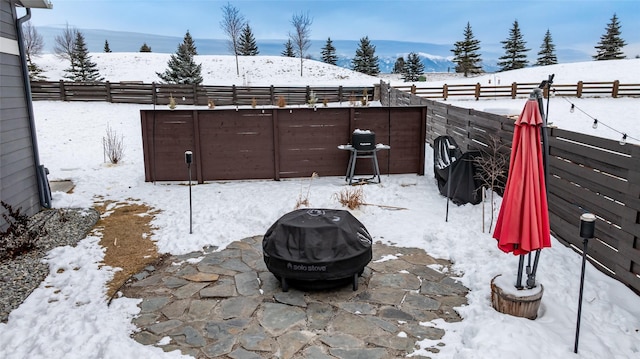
[435, 57]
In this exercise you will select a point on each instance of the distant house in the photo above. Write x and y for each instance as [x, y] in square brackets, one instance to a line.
[23, 180]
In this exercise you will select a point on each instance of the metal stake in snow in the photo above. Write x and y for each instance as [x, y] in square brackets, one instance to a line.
[188, 158]
[587, 228]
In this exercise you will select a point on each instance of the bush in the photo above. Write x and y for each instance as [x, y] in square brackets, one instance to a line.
[113, 146]
[18, 238]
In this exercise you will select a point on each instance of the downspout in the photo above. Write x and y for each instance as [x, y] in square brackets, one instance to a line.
[44, 190]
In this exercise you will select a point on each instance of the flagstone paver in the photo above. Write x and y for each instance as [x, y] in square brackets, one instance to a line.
[226, 304]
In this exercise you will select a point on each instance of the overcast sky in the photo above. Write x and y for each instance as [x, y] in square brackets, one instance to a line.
[574, 24]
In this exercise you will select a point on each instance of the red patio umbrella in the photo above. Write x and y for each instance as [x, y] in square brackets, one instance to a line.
[523, 221]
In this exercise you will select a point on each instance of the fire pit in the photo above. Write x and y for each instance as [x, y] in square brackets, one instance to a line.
[317, 249]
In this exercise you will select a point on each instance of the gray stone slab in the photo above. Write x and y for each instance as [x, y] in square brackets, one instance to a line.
[164, 327]
[358, 308]
[278, 318]
[223, 288]
[199, 309]
[371, 353]
[269, 284]
[386, 325]
[427, 273]
[319, 315]
[189, 290]
[221, 347]
[176, 309]
[216, 269]
[342, 341]
[146, 338]
[423, 332]
[354, 325]
[186, 270]
[405, 281]
[153, 304]
[239, 307]
[392, 342]
[256, 339]
[290, 343]
[223, 328]
[442, 289]
[393, 313]
[189, 336]
[146, 319]
[456, 286]
[388, 296]
[243, 354]
[292, 297]
[422, 302]
[174, 282]
[149, 281]
[235, 264]
[315, 352]
[247, 283]
[140, 276]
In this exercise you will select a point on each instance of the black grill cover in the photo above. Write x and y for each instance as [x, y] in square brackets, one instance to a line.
[317, 244]
[363, 140]
[465, 184]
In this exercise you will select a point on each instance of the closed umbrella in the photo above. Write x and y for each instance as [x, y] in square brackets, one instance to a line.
[523, 222]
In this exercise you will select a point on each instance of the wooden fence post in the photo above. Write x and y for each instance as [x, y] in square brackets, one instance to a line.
[445, 91]
[63, 96]
[413, 89]
[514, 90]
[234, 95]
[579, 89]
[340, 94]
[107, 87]
[195, 94]
[272, 94]
[616, 88]
[154, 95]
[477, 92]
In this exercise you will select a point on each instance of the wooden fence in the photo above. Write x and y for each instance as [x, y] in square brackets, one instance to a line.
[277, 143]
[585, 174]
[160, 94]
[477, 91]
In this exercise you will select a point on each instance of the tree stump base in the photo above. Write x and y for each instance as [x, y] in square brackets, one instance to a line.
[505, 298]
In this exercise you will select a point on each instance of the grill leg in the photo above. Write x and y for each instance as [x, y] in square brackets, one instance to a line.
[376, 168]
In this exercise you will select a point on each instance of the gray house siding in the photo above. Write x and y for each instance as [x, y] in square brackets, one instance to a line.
[18, 181]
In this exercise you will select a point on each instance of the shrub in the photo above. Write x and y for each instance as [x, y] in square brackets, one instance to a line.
[18, 238]
[282, 102]
[113, 146]
[352, 197]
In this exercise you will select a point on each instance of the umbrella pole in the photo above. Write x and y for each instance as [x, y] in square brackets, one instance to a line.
[587, 229]
[520, 266]
[450, 152]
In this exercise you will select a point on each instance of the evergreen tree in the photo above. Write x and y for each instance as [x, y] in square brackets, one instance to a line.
[35, 72]
[106, 46]
[515, 50]
[398, 67]
[82, 68]
[182, 69]
[33, 45]
[247, 43]
[413, 68]
[466, 56]
[610, 45]
[547, 53]
[329, 53]
[288, 49]
[365, 60]
[145, 48]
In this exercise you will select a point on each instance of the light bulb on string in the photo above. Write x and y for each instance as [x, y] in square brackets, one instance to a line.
[623, 141]
[595, 123]
[573, 108]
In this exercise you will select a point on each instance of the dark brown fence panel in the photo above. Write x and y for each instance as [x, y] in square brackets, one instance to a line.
[591, 174]
[45, 91]
[131, 92]
[85, 91]
[236, 145]
[308, 142]
[166, 135]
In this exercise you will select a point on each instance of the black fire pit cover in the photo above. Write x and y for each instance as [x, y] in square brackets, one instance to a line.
[322, 246]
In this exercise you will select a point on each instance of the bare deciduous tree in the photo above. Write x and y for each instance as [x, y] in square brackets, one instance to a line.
[300, 36]
[232, 24]
[63, 47]
[494, 166]
[33, 42]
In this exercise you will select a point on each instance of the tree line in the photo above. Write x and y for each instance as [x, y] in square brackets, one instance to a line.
[182, 69]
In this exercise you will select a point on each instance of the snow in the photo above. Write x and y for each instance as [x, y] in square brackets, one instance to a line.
[68, 317]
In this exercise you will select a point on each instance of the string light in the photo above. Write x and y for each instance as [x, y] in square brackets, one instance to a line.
[596, 122]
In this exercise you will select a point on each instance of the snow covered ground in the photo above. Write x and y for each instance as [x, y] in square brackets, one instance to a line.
[67, 316]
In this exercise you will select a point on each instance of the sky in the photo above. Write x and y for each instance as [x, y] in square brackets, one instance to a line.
[576, 24]
[68, 316]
